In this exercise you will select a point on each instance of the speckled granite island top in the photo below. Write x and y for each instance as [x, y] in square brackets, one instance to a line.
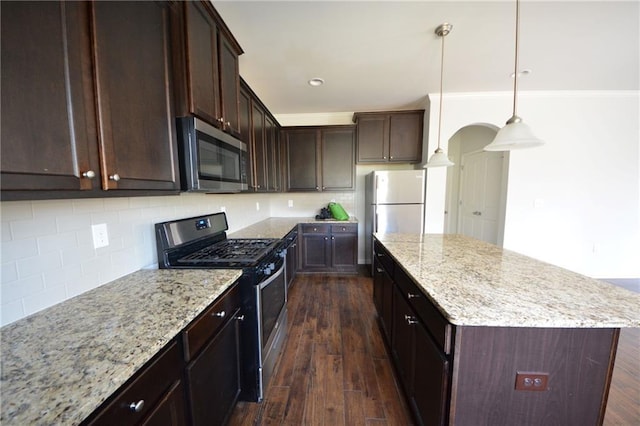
[60, 364]
[278, 227]
[478, 284]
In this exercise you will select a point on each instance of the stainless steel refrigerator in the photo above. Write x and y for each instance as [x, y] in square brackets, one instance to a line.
[394, 201]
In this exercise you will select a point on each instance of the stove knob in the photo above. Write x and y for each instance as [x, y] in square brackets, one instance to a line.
[267, 270]
[283, 253]
[272, 266]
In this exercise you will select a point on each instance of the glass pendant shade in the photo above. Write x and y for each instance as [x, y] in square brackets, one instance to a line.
[514, 135]
[439, 159]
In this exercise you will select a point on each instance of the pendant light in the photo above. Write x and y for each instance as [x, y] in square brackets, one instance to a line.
[515, 134]
[439, 158]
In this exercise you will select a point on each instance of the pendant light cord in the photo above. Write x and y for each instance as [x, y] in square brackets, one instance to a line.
[515, 71]
[441, 85]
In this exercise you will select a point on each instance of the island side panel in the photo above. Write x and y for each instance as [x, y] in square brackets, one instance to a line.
[578, 362]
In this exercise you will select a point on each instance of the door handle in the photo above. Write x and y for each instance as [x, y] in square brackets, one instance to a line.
[477, 213]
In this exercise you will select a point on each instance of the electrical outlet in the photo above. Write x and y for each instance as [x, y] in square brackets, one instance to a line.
[100, 235]
[223, 209]
[290, 203]
[257, 206]
[531, 381]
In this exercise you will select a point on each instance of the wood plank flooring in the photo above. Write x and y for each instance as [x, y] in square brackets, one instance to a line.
[334, 369]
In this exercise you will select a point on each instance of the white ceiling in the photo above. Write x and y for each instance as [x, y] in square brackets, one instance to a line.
[384, 55]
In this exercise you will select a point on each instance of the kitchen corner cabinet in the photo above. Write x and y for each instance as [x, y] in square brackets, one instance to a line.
[389, 137]
[207, 67]
[320, 158]
[75, 69]
[329, 247]
[154, 396]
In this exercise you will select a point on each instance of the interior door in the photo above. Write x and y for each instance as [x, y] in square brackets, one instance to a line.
[480, 195]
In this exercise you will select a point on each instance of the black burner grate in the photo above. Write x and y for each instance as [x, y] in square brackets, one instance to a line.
[231, 251]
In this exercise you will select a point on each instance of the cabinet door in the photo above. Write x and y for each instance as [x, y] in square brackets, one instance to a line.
[273, 155]
[135, 106]
[402, 340]
[303, 156]
[373, 139]
[202, 53]
[259, 148]
[338, 162]
[47, 97]
[383, 297]
[229, 76]
[170, 411]
[405, 137]
[245, 135]
[316, 252]
[431, 379]
[214, 378]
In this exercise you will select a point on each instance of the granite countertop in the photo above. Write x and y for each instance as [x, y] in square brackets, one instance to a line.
[474, 283]
[279, 227]
[60, 364]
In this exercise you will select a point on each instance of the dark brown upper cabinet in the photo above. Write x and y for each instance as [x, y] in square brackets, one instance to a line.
[260, 131]
[207, 67]
[320, 158]
[389, 137]
[87, 100]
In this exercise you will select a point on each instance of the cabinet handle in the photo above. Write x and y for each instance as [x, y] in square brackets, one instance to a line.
[412, 296]
[89, 174]
[384, 157]
[324, 187]
[410, 319]
[326, 238]
[240, 317]
[115, 177]
[333, 238]
[228, 124]
[379, 270]
[476, 213]
[391, 158]
[220, 314]
[317, 188]
[136, 407]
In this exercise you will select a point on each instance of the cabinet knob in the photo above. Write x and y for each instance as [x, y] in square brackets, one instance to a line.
[89, 174]
[379, 270]
[326, 238]
[136, 407]
[391, 157]
[324, 187]
[315, 229]
[240, 317]
[410, 319]
[115, 177]
[220, 314]
[228, 123]
[384, 157]
[412, 296]
[317, 188]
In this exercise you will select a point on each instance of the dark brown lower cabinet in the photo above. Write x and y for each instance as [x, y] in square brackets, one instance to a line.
[213, 377]
[155, 391]
[466, 375]
[329, 247]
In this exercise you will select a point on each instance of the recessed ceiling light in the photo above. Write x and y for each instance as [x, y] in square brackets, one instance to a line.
[521, 73]
[315, 82]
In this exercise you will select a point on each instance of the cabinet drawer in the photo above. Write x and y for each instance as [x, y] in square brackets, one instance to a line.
[209, 322]
[148, 386]
[314, 228]
[439, 328]
[350, 228]
[384, 258]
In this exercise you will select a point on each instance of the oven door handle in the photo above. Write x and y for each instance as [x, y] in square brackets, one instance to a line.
[272, 277]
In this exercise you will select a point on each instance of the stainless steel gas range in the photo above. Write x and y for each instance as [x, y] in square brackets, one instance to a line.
[201, 242]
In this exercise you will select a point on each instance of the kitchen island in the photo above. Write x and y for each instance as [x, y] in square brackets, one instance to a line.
[483, 335]
[60, 364]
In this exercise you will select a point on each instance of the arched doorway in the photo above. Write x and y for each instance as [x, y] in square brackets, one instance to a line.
[476, 185]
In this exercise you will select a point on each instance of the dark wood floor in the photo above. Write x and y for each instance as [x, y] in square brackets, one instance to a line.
[334, 369]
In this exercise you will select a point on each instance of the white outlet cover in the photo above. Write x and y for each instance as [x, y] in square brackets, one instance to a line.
[257, 206]
[100, 235]
[290, 203]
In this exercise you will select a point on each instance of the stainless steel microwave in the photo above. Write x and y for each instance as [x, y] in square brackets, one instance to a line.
[210, 160]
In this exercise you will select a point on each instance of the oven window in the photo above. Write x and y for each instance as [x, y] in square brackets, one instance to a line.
[272, 300]
[218, 160]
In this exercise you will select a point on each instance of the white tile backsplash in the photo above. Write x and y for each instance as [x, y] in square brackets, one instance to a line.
[47, 253]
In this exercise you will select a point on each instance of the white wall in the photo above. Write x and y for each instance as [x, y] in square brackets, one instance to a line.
[575, 202]
[47, 253]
